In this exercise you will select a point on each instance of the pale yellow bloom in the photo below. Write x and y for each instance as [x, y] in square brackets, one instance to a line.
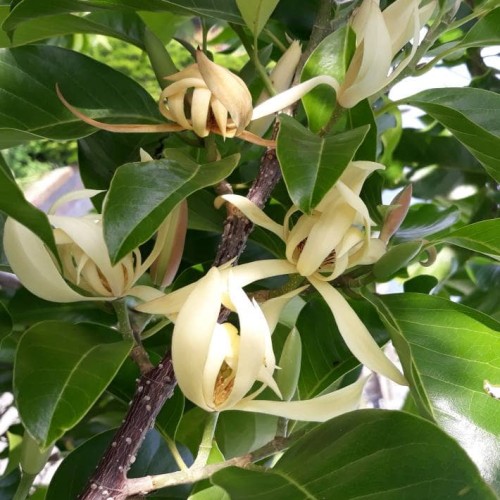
[86, 272]
[321, 246]
[217, 365]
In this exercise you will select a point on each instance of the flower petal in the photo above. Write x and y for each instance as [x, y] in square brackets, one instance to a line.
[288, 97]
[356, 335]
[199, 111]
[252, 212]
[192, 335]
[33, 265]
[318, 409]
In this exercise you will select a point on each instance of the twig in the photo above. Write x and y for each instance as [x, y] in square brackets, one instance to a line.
[153, 389]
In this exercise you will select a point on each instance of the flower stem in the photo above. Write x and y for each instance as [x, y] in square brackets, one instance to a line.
[206, 441]
[24, 486]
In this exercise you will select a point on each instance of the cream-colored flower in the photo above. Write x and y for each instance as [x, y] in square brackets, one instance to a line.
[217, 366]
[380, 36]
[216, 99]
[322, 245]
[86, 272]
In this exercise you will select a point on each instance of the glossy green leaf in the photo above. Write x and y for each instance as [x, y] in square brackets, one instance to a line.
[5, 323]
[331, 57]
[312, 164]
[448, 351]
[426, 219]
[60, 371]
[395, 259]
[482, 237]
[485, 32]
[124, 25]
[325, 357]
[375, 454]
[154, 457]
[203, 216]
[256, 13]
[100, 154]
[212, 493]
[471, 115]
[27, 10]
[421, 284]
[14, 204]
[31, 108]
[141, 195]
[357, 116]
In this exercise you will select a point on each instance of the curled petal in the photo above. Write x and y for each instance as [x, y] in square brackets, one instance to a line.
[288, 97]
[318, 409]
[34, 266]
[192, 336]
[356, 335]
[199, 111]
[272, 308]
[252, 212]
[121, 127]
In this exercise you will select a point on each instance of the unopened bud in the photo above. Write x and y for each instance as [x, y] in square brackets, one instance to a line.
[396, 213]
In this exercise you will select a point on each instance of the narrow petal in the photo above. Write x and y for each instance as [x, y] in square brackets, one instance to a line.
[398, 18]
[245, 274]
[74, 195]
[33, 265]
[356, 335]
[192, 336]
[367, 73]
[288, 97]
[318, 409]
[253, 332]
[272, 308]
[145, 293]
[199, 111]
[252, 212]
[220, 115]
[176, 107]
[119, 127]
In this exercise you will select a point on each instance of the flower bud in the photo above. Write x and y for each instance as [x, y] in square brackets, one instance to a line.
[396, 213]
[215, 98]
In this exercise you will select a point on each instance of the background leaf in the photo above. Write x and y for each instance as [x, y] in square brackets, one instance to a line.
[60, 371]
[142, 194]
[482, 237]
[256, 13]
[471, 115]
[449, 351]
[26, 10]
[376, 454]
[31, 108]
[126, 26]
[484, 32]
[14, 204]
[312, 164]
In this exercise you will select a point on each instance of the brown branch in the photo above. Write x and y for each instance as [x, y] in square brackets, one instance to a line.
[153, 389]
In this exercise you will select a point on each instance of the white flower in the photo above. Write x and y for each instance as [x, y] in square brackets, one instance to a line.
[87, 272]
[323, 245]
[217, 366]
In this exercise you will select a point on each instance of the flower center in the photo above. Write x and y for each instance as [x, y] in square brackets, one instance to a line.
[223, 384]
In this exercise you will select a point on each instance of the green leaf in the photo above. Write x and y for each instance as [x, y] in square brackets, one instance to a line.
[484, 32]
[375, 454]
[27, 10]
[448, 351]
[126, 26]
[426, 219]
[154, 457]
[31, 108]
[100, 154]
[325, 357]
[482, 237]
[256, 13]
[312, 164]
[5, 323]
[60, 371]
[471, 115]
[14, 204]
[396, 258]
[142, 194]
[212, 493]
[331, 57]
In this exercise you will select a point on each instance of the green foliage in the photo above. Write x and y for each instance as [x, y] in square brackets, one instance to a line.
[73, 367]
